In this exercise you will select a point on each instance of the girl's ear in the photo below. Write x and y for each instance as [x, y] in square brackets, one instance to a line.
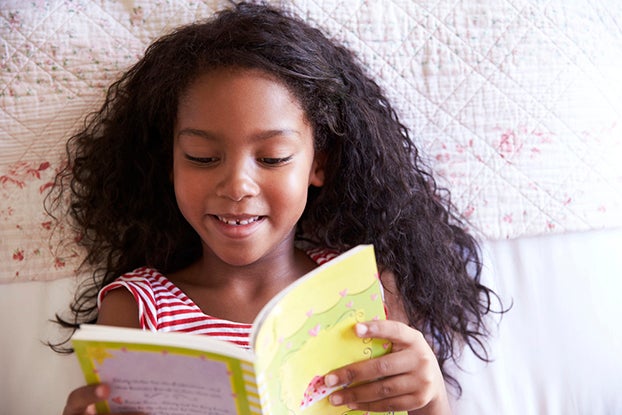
[316, 177]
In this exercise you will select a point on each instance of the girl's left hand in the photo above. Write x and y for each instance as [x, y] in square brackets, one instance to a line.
[409, 378]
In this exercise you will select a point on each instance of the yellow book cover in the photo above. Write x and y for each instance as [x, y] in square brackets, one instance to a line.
[301, 334]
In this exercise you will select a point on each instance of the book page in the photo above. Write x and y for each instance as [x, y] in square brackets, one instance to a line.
[169, 380]
[310, 331]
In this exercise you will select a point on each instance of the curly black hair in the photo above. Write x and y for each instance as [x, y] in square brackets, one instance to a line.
[376, 191]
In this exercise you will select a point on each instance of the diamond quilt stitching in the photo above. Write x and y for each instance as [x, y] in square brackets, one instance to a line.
[515, 105]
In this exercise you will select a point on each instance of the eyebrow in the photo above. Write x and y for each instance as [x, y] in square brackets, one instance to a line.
[262, 135]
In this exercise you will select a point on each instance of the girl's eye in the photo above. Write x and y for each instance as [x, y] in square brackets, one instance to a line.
[275, 161]
[201, 160]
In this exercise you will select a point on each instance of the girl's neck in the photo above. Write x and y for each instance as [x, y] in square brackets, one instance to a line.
[237, 293]
[279, 268]
[269, 274]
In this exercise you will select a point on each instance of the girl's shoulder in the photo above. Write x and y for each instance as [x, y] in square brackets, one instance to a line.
[143, 275]
[144, 279]
[146, 273]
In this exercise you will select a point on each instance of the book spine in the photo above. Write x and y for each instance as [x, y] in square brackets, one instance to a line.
[264, 395]
[252, 391]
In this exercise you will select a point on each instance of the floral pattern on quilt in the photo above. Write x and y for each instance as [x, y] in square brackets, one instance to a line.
[516, 105]
[35, 244]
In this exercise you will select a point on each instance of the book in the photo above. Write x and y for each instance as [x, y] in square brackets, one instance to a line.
[300, 335]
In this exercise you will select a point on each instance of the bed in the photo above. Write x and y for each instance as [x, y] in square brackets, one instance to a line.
[516, 105]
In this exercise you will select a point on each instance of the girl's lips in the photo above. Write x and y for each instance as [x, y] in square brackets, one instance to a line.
[237, 227]
[238, 221]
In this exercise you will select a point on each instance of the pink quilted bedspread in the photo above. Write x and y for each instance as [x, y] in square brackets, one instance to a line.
[516, 105]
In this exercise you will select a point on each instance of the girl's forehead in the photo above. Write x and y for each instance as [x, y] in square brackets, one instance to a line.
[240, 96]
[233, 73]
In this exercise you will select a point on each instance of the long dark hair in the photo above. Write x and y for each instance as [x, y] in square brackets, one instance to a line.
[376, 190]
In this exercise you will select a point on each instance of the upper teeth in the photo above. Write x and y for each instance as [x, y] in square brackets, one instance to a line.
[238, 221]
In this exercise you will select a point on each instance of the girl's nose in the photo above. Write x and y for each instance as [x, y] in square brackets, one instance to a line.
[237, 182]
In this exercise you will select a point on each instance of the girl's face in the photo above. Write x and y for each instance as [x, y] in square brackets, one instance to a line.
[242, 163]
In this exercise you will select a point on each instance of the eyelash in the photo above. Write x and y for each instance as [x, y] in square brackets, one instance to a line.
[275, 161]
[200, 160]
[270, 161]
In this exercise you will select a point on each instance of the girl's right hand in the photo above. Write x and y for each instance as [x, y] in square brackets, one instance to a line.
[82, 401]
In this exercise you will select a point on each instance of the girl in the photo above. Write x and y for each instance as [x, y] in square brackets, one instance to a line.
[219, 160]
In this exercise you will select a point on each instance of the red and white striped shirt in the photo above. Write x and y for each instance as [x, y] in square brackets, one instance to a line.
[162, 306]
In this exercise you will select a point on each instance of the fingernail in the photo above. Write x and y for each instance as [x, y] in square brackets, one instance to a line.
[331, 380]
[361, 329]
[90, 410]
[335, 400]
[100, 392]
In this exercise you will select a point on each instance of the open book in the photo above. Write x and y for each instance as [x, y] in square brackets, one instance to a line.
[300, 335]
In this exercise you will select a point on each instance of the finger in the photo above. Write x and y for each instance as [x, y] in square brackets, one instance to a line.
[402, 336]
[80, 401]
[379, 390]
[399, 334]
[367, 370]
[390, 405]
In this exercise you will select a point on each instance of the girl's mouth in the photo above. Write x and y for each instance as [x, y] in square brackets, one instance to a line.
[238, 222]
